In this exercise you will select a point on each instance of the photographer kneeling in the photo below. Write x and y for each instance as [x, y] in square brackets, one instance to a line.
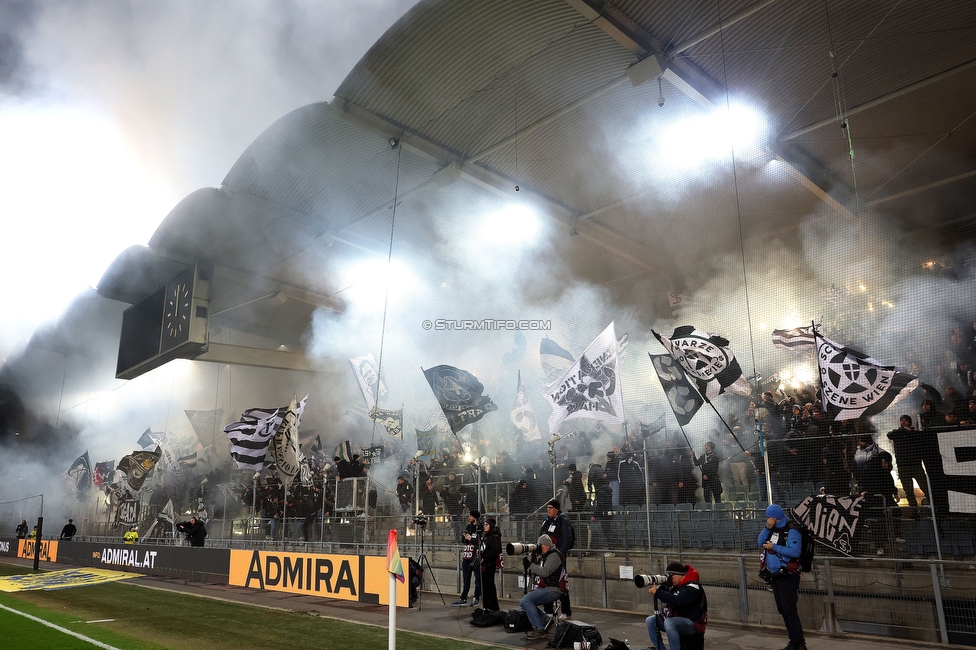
[684, 611]
[548, 585]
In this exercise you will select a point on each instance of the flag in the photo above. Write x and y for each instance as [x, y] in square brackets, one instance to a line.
[854, 385]
[189, 460]
[459, 394]
[797, 337]
[284, 444]
[205, 423]
[316, 448]
[831, 520]
[168, 513]
[103, 473]
[683, 398]
[250, 437]
[555, 360]
[623, 343]
[707, 360]
[590, 388]
[426, 440]
[653, 427]
[305, 470]
[677, 303]
[150, 438]
[137, 466]
[393, 562]
[80, 472]
[343, 451]
[392, 421]
[367, 376]
[515, 354]
[522, 416]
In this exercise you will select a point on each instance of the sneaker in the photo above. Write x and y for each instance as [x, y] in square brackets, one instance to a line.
[460, 603]
[474, 603]
[565, 617]
[534, 634]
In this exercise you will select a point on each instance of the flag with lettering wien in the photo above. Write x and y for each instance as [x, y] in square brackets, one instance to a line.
[393, 562]
[854, 384]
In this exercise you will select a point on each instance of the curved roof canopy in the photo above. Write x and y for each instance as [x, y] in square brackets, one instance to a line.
[561, 98]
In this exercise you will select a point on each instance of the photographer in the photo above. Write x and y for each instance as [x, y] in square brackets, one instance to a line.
[779, 561]
[557, 526]
[194, 530]
[684, 611]
[548, 585]
[470, 564]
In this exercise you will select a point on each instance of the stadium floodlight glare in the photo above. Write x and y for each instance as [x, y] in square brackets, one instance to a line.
[690, 142]
[516, 223]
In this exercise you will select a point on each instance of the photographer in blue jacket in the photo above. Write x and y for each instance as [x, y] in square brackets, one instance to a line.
[780, 567]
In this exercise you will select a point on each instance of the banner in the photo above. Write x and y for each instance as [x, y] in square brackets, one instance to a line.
[366, 371]
[392, 421]
[127, 513]
[137, 466]
[831, 520]
[682, 396]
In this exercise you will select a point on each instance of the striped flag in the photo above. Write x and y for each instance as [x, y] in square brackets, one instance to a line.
[554, 359]
[797, 337]
[249, 438]
[343, 451]
[284, 444]
[393, 562]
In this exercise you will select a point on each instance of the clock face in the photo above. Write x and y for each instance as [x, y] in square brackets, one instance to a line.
[176, 312]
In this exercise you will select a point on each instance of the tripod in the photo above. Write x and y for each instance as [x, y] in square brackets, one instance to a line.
[425, 565]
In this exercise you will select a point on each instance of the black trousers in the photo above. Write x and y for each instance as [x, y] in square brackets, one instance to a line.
[489, 594]
[786, 592]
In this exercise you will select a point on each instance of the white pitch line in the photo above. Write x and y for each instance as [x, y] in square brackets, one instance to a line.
[59, 628]
[102, 620]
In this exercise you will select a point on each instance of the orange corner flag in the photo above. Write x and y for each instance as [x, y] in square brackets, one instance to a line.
[393, 563]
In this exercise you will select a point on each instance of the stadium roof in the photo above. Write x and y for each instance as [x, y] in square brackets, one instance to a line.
[561, 99]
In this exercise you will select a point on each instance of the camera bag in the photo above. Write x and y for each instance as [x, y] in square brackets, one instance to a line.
[571, 632]
[517, 621]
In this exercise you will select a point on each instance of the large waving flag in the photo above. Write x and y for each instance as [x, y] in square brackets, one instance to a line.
[522, 416]
[707, 360]
[682, 396]
[137, 466]
[590, 388]
[655, 426]
[366, 371]
[103, 473]
[249, 438]
[343, 451]
[284, 444]
[854, 384]
[459, 394]
[426, 440]
[393, 562]
[81, 472]
[554, 359]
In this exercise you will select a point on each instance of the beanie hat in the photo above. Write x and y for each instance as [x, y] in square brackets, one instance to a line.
[475, 514]
[554, 503]
[544, 539]
[776, 511]
[676, 568]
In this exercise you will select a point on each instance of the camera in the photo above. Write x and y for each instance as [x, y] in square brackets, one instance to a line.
[420, 521]
[517, 548]
[644, 580]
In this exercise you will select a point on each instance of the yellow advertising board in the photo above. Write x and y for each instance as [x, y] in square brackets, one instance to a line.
[49, 549]
[62, 579]
[362, 578]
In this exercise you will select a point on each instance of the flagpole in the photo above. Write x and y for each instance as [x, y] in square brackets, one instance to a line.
[284, 517]
[392, 636]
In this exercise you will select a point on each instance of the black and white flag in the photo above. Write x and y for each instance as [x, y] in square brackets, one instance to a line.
[832, 520]
[283, 447]
[522, 416]
[682, 396]
[590, 388]
[855, 385]
[392, 421]
[459, 394]
[555, 360]
[794, 338]
[707, 360]
[366, 371]
[655, 426]
[80, 472]
[249, 438]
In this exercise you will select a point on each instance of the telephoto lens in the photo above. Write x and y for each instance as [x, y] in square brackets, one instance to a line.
[645, 580]
[518, 548]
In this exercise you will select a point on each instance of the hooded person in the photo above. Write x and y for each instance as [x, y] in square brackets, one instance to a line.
[780, 566]
[684, 607]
